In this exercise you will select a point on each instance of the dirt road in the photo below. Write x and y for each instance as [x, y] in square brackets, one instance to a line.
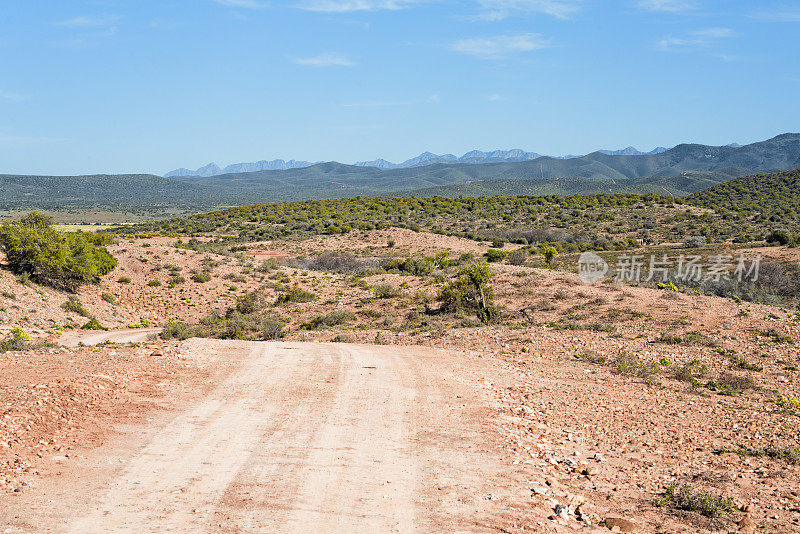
[133, 335]
[306, 437]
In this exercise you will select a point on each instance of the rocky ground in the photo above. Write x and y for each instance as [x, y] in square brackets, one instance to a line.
[610, 394]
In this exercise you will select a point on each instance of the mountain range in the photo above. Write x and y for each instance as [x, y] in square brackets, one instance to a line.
[679, 171]
[473, 157]
[212, 169]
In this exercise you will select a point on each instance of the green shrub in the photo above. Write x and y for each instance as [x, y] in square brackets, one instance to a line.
[154, 283]
[272, 328]
[17, 340]
[549, 252]
[776, 336]
[176, 280]
[175, 329]
[591, 357]
[470, 291]
[108, 297]
[629, 364]
[730, 384]
[385, 291]
[703, 502]
[56, 259]
[415, 266]
[93, 324]
[690, 371]
[494, 255]
[779, 237]
[295, 294]
[201, 276]
[333, 318]
[124, 280]
[143, 323]
[74, 305]
[342, 338]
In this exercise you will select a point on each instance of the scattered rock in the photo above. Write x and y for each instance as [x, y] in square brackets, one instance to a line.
[622, 524]
[588, 470]
[747, 525]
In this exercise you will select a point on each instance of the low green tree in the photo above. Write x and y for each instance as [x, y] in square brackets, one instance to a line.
[471, 291]
[57, 259]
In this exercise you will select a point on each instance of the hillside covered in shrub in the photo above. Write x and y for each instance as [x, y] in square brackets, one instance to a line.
[774, 196]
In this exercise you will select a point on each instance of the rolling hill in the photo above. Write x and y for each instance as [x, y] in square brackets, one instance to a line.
[776, 194]
[682, 170]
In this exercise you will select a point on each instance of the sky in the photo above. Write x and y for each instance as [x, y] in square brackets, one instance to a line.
[112, 86]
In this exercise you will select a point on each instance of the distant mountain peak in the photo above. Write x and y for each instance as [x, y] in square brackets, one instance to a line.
[632, 151]
[425, 158]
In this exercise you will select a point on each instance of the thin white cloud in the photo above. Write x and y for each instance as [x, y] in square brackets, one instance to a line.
[715, 33]
[325, 60]
[347, 6]
[88, 22]
[494, 98]
[242, 4]
[501, 9]
[778, 13]
[668, 6]
[696, 39]
[500, 46]
[12, 97]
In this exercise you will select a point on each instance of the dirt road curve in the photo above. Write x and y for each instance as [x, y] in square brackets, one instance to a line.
[136, 335]
[308, 437]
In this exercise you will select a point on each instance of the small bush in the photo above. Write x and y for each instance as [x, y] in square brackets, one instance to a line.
[471, 292]
[730, 384]
[629, 364]
[201, 277]
[591, 357]
[385, 291]
[342, 338]
[690, 371]
[154, 283]
[295, 294]
[517, 257]
[74, 305]
[177, 330]
[108, 297]
[779, 237]
[788, 403]
[333, 318]
[335, 262]
[695, 241]
[776, 336]
[703, 502]
[176, 280]
[494, 255]
[124, 280]
[93, 324]
[417, 267]
[17, 340]
[272, 328]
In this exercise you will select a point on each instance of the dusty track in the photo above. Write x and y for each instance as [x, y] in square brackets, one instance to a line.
[307, 437]
[136, 335]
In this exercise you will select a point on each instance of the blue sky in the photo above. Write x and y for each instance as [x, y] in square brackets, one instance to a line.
[148, 86]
